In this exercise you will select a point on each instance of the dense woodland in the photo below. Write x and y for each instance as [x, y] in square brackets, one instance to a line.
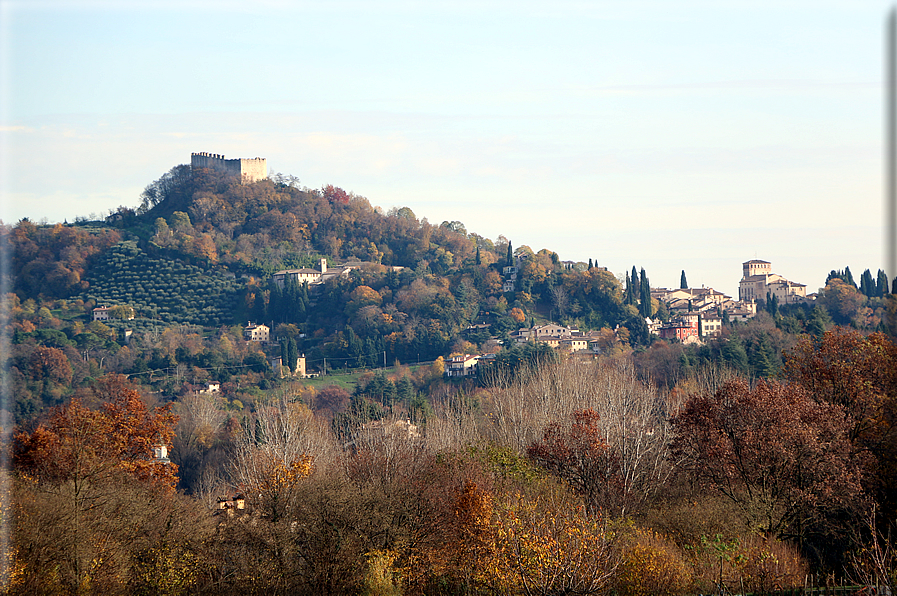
[656, 468]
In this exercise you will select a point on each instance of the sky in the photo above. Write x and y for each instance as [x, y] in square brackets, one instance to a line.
[690, 135]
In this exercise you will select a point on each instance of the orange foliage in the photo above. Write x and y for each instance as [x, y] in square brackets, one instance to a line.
[82, 445]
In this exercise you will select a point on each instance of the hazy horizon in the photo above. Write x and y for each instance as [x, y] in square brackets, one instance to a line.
[695, 136]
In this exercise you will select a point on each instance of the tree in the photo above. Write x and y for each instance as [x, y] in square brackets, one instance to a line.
[782, 458]
[85, 447]
[842, 300]
[509, 259]
[292, 354]
[82, 465]
[171, 185]
[683, 283]
[270, 461]
[50, 363]
[881, 284]
[577, 454]
[867, 285]
[859, 374]
[645, 306]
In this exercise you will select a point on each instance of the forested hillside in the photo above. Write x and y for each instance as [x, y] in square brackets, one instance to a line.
[740, 463]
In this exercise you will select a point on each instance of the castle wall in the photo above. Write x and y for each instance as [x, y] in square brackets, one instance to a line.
[255, 169]
[248, 170]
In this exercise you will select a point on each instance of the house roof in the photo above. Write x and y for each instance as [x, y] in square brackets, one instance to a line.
[303, 270]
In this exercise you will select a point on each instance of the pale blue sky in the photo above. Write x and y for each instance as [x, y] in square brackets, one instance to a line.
[671, 135]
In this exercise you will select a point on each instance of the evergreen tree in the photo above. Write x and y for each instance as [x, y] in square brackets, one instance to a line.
[292, 354]
[636, 291]
[478, 259]
[772, 304]
[370, 353]
[510, 258]
[683, 284]
[645, 290]
[639, 334]
[818, 322]
[389, 394]
[881, 284]
[761, 358]
[734, 354]
[848, 277]
[629, 298]
[404, 391]
[284, 352]
[590, 263]
[275, 303]
[867, 284]
[259, 433]
[354, 346]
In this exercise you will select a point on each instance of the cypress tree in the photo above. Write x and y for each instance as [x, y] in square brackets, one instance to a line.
[510, 257]
[683, 284]
[848, 277]
[645, 291]
[590, 263]
[636, 291]
[881, 284]
[478, 260]
[628, 298]
[867, 284]
[292, 354]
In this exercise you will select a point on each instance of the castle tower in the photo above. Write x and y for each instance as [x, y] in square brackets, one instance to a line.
[756, 267]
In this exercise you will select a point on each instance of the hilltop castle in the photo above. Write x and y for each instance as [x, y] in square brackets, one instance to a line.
[248, 170]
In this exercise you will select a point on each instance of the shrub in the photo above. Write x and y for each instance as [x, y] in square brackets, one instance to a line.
[650, 564]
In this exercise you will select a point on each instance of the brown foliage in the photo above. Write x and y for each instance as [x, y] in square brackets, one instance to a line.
[858, 373]
[579, 455]
[50, 363]
[784, 459]
[76, 444]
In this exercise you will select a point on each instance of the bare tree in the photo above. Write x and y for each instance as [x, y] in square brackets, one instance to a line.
[634, 414]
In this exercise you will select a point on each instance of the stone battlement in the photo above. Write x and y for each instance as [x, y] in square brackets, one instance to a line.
[247, 170]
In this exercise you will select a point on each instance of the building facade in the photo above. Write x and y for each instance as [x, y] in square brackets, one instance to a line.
[758, 281]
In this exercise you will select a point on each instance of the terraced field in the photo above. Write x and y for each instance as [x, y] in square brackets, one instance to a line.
[173, 291]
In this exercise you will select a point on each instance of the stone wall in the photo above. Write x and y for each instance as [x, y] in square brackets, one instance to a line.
[248, 170]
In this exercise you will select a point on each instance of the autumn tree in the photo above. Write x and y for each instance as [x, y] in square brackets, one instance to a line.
[859, 374]
[83, 447]
[81, 471]
[276, 453]
[577, 453]
[782, 458]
